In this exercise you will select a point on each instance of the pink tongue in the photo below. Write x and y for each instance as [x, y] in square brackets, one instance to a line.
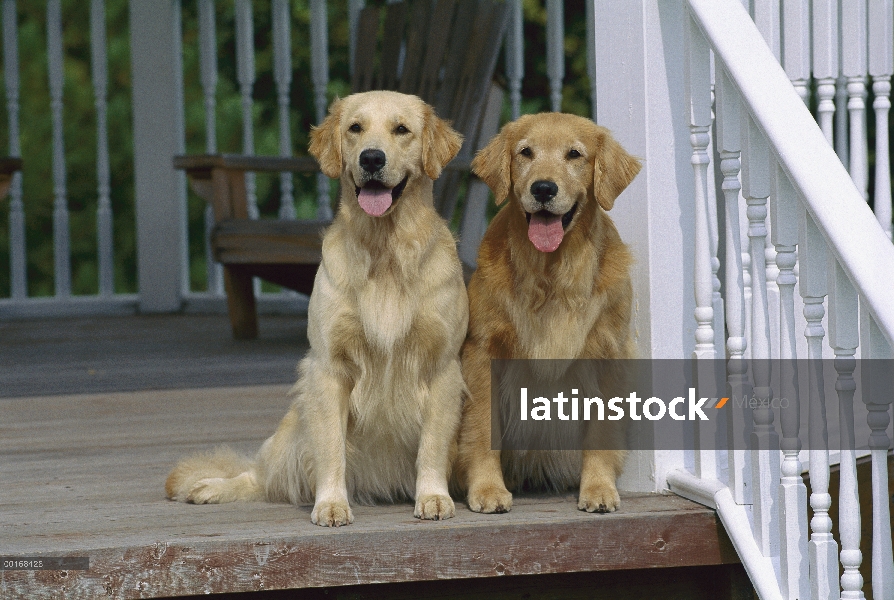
[374, 200]
[545, 231]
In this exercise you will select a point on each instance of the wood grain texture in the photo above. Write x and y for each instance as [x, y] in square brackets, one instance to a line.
[243, 241]
[83, 475]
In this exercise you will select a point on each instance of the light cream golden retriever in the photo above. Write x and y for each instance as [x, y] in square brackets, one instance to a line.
[552, 283]
[378, 397]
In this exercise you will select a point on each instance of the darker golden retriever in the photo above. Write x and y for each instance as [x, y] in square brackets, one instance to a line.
[552, 282]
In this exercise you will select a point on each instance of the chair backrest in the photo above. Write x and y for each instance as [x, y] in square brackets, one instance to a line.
[445, 52]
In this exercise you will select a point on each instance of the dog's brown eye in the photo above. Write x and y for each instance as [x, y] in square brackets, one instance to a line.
[401, 130]
[573, 153]
[356, 128]
[526, 151]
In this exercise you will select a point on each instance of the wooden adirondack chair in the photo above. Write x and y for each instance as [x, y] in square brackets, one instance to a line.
[8, 167]
[449, 50]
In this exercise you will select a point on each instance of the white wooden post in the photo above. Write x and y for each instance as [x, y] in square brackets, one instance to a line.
[159, 210]
[658, 228]
[104, 204]
[245, 74]
[825, 62]
[822, 549]
[17, 256]
[844, 337]
[792, 491]
[282, 58]
[319, 68]
[61, 245]
[591, 55]
[881, 67]
[854, 67]
[796, 41]
[555, 51]
[877, 385]
[729, 111]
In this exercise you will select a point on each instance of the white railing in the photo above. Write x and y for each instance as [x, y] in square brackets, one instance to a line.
[828, 246]
[163, 279]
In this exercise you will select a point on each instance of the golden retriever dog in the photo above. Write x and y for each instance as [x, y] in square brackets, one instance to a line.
[552, 282]
[379, 395]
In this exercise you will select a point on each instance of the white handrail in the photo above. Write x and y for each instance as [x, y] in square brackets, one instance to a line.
[846, 222]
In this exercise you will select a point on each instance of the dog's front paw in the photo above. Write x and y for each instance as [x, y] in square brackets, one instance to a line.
[434, 506]
[490, 499]
[332, 514]
[601, 499]
[210, 490]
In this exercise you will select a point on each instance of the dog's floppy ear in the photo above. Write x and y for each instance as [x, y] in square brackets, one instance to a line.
[613, 170]
[440, 143]
[491, 164]
[325, 142]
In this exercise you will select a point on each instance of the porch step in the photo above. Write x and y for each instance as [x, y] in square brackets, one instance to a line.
[83, 476]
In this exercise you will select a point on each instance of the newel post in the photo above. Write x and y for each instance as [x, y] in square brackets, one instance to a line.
[639, 80]
[157, 125]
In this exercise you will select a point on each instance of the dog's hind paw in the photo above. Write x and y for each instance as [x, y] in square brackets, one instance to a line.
[434, 506]
[211, 490]
[601, 500]
[490, 499]
[332, 514]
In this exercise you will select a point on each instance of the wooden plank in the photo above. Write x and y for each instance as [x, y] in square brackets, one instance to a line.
[365, 50]
[395, 25]
[240, 162]
[415, 44]
[243, 241]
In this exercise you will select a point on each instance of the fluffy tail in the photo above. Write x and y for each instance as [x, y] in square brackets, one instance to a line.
[214, 478]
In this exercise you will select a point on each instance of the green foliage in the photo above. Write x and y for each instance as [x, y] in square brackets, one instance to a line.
[80, 123]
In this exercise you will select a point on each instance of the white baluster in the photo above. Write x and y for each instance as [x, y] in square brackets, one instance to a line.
[104, 204]
[823, 551]
[844, 338]
[515, 54]
[796, 39]
[728, 109]
[591, 54]
[245, 74]
[698, 90]
[714, 233]
[61, 255]
[208, 73]
[766, 17]
[319, 69]
[854, 67]
[555, 51]
[881, 67]
[282, 56]
[17, 254]
[179, 119]
[792, 491]
[842, 135]
[765, 441]
[825, 61]
[877, 384]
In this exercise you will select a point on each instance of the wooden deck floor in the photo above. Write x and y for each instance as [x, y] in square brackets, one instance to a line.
[81, 474]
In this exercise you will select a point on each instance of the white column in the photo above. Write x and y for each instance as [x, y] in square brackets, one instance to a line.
[822, 549]
[792, 491]
[245, 74]
[319, 69]
[854, 68]
[515, 54]
[844, 337]
[555, 51]
[159, 212]
[208, 74]
[728, 114]
[104, 204]
[825, 61]
[591, 55]
[282, 58]
[796, 45]
[61, 245]
[877, 384]
[881, 67]
[645, 120]
[17, 255]
[764, 440]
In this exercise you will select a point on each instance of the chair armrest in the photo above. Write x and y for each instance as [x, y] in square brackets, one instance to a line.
[241, 162]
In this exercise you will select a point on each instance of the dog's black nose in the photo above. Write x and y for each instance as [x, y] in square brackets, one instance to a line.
[544, 191]
[372, 160]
